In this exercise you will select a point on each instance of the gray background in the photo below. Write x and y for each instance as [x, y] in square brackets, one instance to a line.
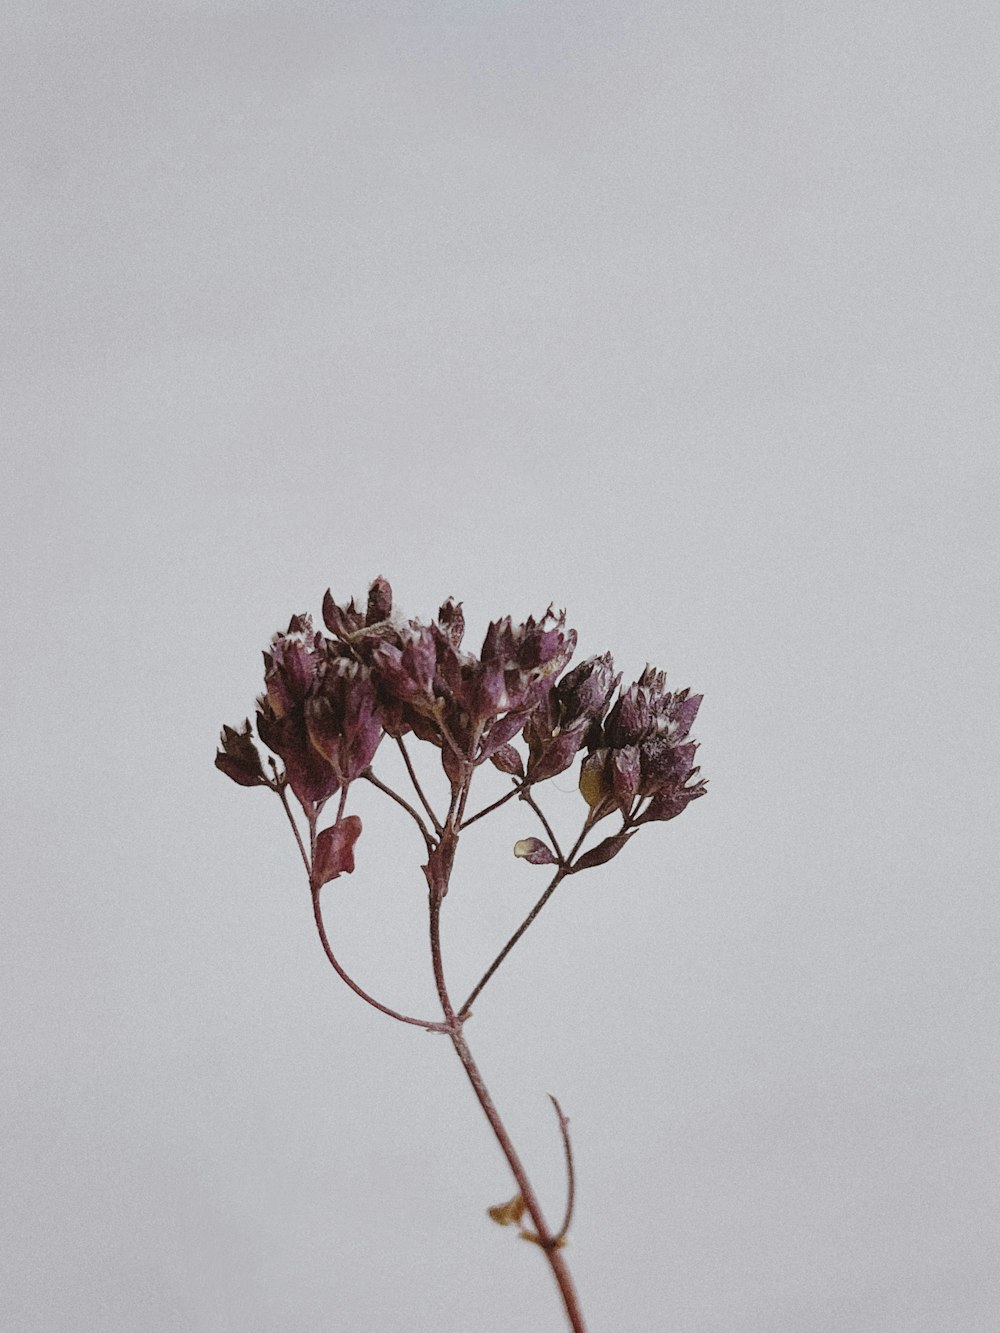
[683, 316]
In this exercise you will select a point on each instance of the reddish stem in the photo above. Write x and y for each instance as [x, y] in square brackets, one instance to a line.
[550, 1243]
[416, 1022]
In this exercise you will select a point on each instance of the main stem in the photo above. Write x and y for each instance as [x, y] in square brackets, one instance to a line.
[549, 1243]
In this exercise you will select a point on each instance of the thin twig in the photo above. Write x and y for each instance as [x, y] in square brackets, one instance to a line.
[565, 866]
[369, 776]
[560, 1235]
[469, 773]
[392, 1013]
[488, 810]
[559, 875]
[529, 800]
[417, 787]
[295, 828]
[547, 1242]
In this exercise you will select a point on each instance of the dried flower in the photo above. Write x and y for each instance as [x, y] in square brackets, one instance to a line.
[329, 698]
[641, 750]
[567, 715]
[239, 758]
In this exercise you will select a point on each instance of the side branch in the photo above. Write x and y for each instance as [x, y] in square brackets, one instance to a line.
[551, 1245]
[369, 776]
[417, 787]
[553, 885]
[560, 1235]
[392, 1013]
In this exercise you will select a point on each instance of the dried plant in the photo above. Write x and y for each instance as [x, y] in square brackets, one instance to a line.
[329, 702]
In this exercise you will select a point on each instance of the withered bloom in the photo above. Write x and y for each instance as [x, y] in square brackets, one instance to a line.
[318, 713]
[292, 671]
[567, 714]
[469, 706]
[642, 751]
[342, 717]
[239, 758]
[328, 700]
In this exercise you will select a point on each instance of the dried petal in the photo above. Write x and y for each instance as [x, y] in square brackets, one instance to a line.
[535, 852]
[344, 621]
[625, 775]
[585, 691]
[595, 782]
[507, 759]
[673, 801]
[558, 753]
[334, 853]
[452, 622]
[507, 1214]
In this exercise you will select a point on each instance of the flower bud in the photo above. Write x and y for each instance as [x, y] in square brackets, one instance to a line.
[379, 602]
[239, 758]
[535, 852]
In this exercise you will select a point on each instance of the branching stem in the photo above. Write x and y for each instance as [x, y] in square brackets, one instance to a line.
[570, 1173]
[368, 999]
[417, 787]
[369, 776]
[550, 1244]
[487, 975]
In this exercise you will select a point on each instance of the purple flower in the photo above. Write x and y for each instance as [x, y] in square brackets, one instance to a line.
[342, 718]
[567, 715]
[292, 670]
[239, 758]
[642, 751]
[319, 712]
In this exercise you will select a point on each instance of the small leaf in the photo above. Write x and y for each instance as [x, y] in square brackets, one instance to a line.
[508, 1214]
[604, 851]
[535, 852]
[507, 759]
[335, 850]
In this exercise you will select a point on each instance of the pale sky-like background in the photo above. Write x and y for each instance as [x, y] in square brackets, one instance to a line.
[683, 316]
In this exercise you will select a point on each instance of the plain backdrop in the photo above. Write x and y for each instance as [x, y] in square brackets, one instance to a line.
[682, 316]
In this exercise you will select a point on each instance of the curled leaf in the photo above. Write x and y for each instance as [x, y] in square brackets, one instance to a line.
[334, 853]
[534, 851]
[508, 1214]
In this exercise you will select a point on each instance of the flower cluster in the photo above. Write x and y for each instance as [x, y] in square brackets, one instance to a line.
[329, 698]
[642, 750]
[468, 706]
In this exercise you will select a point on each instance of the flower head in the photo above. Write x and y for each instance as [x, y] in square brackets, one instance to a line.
[567, 714]
[641, 750]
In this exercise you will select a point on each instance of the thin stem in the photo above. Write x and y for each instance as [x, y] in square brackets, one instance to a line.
[446, 730]
[530, 800]
[550, 1244]
[488, 810]
[417, 787]
[369, 776]
[564, 869]
[487, 975]
[438, 965]
[570, 1173]
[295, 829]
[467, 781]
[392, 1013]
